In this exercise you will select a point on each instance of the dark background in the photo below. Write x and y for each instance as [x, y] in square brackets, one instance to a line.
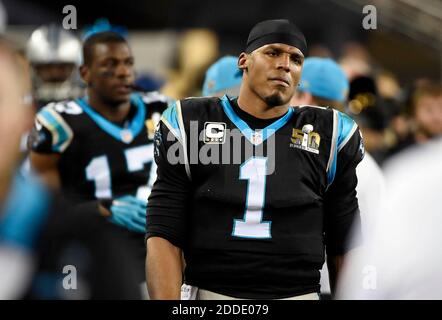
[397, 44]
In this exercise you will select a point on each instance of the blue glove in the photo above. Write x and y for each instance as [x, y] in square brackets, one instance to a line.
[130, 213]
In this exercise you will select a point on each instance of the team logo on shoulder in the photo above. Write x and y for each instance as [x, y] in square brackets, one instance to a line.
[214, 132]
[306, 139]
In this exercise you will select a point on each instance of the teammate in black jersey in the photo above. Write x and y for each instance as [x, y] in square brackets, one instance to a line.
[40, 232]
[250, 189]
[100, 146]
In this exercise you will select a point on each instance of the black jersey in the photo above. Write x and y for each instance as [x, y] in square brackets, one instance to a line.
[254, 209]
[100, 159]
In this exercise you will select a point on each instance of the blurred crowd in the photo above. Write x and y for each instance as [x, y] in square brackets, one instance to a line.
[391, 114]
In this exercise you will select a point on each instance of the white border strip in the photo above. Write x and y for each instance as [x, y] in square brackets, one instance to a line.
[53, 129]
[171, 129]
[334, 139]
[350, 134]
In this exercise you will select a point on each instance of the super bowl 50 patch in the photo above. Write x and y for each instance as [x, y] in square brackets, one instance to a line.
[306, 139]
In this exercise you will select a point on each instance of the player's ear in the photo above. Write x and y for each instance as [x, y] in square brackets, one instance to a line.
[84, 73]
[243, 61]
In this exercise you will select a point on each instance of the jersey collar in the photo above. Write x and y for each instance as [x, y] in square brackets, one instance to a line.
[256, 137]
[125, 135]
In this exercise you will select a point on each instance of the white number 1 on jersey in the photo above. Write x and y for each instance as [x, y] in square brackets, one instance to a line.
[251, 226]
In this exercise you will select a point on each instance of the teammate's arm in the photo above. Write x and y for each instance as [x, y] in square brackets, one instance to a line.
[44, 146]
[46, 165]
[44, 158]
[341, 207]
[166, 217]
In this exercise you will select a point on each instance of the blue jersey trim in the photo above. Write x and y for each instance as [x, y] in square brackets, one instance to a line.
[332, 170]
[135, 126]
[244, 127]
[170, 118]
[62, 134]
[345, 127]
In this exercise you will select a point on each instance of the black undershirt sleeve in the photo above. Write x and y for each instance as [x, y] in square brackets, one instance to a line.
[341, 204]
[169, 198]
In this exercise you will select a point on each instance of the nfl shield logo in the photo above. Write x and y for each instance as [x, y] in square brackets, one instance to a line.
[126, 136]
[256, 137]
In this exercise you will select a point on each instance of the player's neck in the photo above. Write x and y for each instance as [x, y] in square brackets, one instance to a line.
[255, 106]
[115, 113]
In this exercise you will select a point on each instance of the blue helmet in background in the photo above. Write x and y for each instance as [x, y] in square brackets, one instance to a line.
[223, 77]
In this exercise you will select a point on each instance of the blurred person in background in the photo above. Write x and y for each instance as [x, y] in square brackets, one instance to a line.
[391, 93]
[356, 61]
[98, 148]
[3, 18]
[324, 83]
[427, 112]
[421, 117]
[144, 82]
[28, 100]
[223, 77]
[400, 260]
[197, 49]
[22, 201]
[401, 125]
[33, 221]
[15, 118]
[371, 113]
[388, 85]
[320, 50]
[55, 55]
[24, 72]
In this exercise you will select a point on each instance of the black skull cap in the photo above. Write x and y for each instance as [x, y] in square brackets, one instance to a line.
[276, 31]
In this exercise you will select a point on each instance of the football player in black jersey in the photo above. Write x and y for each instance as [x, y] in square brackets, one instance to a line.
[41, 232]
[250, 189]
[100, 146]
